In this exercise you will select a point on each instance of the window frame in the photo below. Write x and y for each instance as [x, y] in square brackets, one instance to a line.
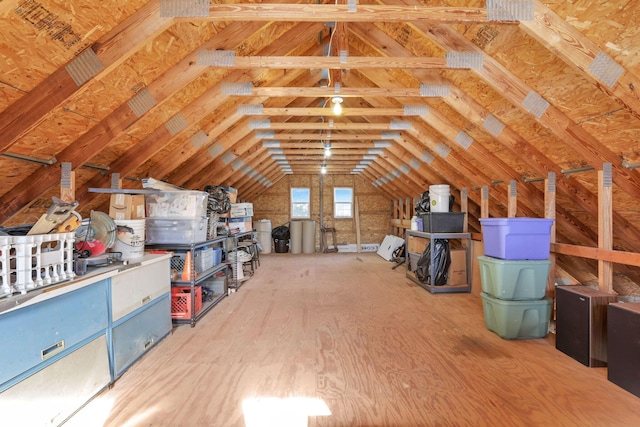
[335, 203]
[292, 203]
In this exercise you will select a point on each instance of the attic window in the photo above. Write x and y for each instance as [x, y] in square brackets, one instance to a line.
[343, 202]
[300, 203]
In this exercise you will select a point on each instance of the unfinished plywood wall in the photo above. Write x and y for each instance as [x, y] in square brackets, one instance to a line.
[373, 208]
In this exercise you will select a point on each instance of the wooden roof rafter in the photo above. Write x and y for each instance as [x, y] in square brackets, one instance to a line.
[472, 110]
[112, 50]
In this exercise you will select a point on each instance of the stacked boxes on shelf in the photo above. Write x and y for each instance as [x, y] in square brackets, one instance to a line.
[178, 217]
[233, 198]
[513, 272]
[240, 220]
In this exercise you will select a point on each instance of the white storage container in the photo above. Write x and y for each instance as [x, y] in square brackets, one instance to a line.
[177, 204]
[178, 231]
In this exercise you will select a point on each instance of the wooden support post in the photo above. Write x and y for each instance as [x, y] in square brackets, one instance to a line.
[484, 202]
[513, 200]
[357, 218]
[464, 207]
[550, 212]
[394, 228]
[400, 216]
[605, 226]
[67, 183]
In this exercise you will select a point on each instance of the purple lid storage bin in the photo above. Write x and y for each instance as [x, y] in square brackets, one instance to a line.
[517, 238]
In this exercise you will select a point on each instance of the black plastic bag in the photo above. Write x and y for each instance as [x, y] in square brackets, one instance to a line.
[280, 233]
[441, 263]
[422, 205]
[218, 201]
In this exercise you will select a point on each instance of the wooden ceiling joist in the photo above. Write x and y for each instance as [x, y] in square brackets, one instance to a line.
[326, 92]
[342, 13]
[334, 136]
[329, 62]
[266, 111]
[328, 124]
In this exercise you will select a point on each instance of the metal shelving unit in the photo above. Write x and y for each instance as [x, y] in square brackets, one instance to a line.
[198, 278]
[447, 288]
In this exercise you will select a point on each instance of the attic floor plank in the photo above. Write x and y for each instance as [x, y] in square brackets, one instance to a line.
[348, 332]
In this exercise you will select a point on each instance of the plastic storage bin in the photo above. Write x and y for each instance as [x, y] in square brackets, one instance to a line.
[181, 301]
[176, 204]
[215, 284]
[442, 222]
[517, 238]
[517, 319]
[178, 231]
[514, 280]
[203, 259]
[217, 255]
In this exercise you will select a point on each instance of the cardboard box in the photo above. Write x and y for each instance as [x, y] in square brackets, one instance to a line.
[241, 209]
[458, 267]
[127, 206]
[232, 192]
[417, 244]
[239, 225]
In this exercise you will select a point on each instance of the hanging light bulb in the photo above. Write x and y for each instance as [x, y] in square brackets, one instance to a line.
[337, 105]
[323, 169]
[327, 149]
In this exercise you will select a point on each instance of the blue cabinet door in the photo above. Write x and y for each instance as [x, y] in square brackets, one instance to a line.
[137, 334]
[37, 333]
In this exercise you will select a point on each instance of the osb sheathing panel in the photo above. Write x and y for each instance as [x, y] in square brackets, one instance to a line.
[13, 172]
[617, 32]
[564, 86]
[51, 34]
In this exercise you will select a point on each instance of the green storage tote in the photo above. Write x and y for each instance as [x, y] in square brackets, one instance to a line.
[517, 319]
[514, 280]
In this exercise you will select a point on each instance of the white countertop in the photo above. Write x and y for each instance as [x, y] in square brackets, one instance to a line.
[94, 274]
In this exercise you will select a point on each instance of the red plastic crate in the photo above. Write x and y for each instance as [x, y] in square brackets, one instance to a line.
[181, 301]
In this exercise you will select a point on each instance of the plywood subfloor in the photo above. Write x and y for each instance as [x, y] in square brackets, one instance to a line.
[348, 332]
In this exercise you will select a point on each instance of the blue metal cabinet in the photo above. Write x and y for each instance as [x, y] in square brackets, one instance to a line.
[45, 330]
[51, 395]
[137, 333]
[134, 288]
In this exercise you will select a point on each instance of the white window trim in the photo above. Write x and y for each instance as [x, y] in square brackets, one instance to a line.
[291, 202]
[351, 203]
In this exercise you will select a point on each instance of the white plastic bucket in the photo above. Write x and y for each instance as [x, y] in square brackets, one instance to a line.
[439, 197]
[130, 241]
